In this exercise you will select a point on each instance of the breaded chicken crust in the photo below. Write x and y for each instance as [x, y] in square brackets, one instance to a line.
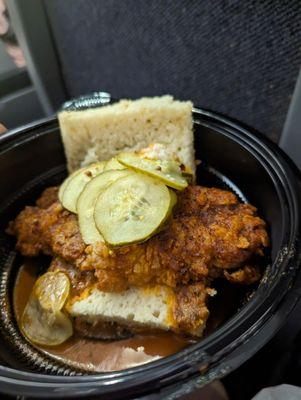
[210, 234]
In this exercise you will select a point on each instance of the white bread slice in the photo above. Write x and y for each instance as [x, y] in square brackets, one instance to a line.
[100, 133]
[135, 308]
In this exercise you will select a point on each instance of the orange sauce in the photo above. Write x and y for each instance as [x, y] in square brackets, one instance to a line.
[98, 355]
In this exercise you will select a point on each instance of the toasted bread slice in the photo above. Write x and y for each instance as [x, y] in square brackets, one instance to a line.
[101, 133]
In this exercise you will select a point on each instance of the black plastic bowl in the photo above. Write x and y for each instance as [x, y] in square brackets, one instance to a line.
[32, 157]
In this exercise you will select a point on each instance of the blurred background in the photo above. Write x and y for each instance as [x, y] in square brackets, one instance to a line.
[239, 58]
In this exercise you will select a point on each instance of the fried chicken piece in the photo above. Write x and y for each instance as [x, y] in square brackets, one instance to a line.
[48, 228]
[247, 275]
[210, 230]
[49, 196]
[190, 309]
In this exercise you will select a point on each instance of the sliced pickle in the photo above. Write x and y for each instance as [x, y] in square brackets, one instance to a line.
[174, 199]
[66, 182]
[173, 202]
[131, 209]
[188, 176]
[113, 164]
[44, 327]
[77, 183]
[42, 321]
[86, 202]
[168, 171]
[52, 290]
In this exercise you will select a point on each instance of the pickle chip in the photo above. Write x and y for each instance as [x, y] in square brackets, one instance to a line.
[131, 209]
[174, 199]
[52, 290]
[76, 183]
[168, 171]
[86, 202]
[43, 321]
[44, 327]
[113, 164]
[65, 184]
